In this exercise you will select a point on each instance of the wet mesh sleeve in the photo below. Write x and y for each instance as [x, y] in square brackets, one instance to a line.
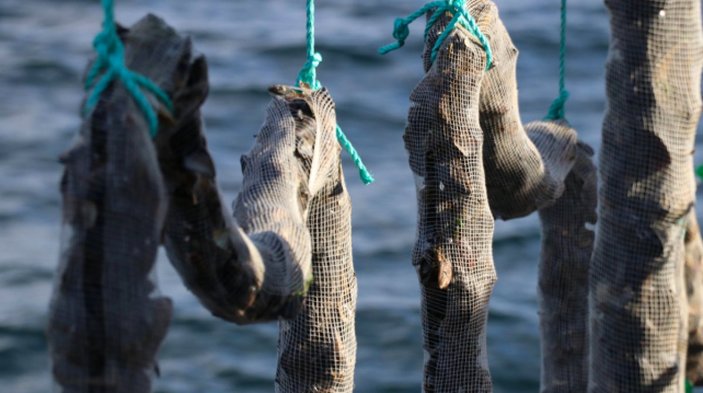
[694, 291]
[567, 245]
[453, 251]
[317, 349]
[647, 190]
[257, 267]
[522, 173]
[106, 319]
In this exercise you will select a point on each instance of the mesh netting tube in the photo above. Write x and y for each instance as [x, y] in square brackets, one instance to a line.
[106, 320]
[567, 245]
[453, 250]
[647, 190]
[293, 198]
[317, 349]
[525, 169]
[257, 267]
[521, 174]
[694, 291]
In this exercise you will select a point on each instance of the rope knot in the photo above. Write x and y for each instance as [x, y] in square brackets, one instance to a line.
[556, 110]
[401, 30]
[457, 8]
[308, 75]
[314, 60]
[110, 61]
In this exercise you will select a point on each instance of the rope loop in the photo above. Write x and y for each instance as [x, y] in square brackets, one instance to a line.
[401, 30]
[457, 8]
[110, 61]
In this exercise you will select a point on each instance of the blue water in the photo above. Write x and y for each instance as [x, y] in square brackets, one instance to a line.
[44, 45]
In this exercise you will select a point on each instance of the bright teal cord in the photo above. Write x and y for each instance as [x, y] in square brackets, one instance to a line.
[110, 61]
[401, 29]
[556, 110]
[308, 76]
[363, 172]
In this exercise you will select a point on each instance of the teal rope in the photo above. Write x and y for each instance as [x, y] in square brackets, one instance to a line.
[401, 29]
[346, 144]
[308, 76]
[556, 110]
[110, 61]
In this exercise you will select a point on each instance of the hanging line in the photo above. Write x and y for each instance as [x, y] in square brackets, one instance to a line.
[308, 76]
[556, 110]
[461, 16]
[110, 60]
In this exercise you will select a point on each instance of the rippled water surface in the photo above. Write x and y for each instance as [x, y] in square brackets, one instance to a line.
[44, 45]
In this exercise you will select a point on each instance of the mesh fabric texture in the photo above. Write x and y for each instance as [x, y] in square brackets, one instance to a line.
[694, 290]
[647, 190]
[521, 175]
[288, 253]
[106, 320]
[567, 246]
[257, 267]
[317, 349]
[453, 250]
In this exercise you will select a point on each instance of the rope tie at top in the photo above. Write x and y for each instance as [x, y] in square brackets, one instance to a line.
[110, 61]
[308, 76]
[457, 8]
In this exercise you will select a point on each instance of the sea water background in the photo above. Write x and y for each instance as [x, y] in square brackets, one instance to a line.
[250, 44]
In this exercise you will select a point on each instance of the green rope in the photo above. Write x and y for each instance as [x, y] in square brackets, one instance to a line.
[556, 110]
[110, 61]
[461, 16]
[308, 76]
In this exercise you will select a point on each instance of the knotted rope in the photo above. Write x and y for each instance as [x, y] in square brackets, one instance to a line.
[110, 61]
[457, 8]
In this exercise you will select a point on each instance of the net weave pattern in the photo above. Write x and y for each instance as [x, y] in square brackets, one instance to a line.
[317, 349]
[106, 319]
[521, 175]
[567, 246]
[694, 291]
[453, 250]
[287, 254]
[647, 190]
